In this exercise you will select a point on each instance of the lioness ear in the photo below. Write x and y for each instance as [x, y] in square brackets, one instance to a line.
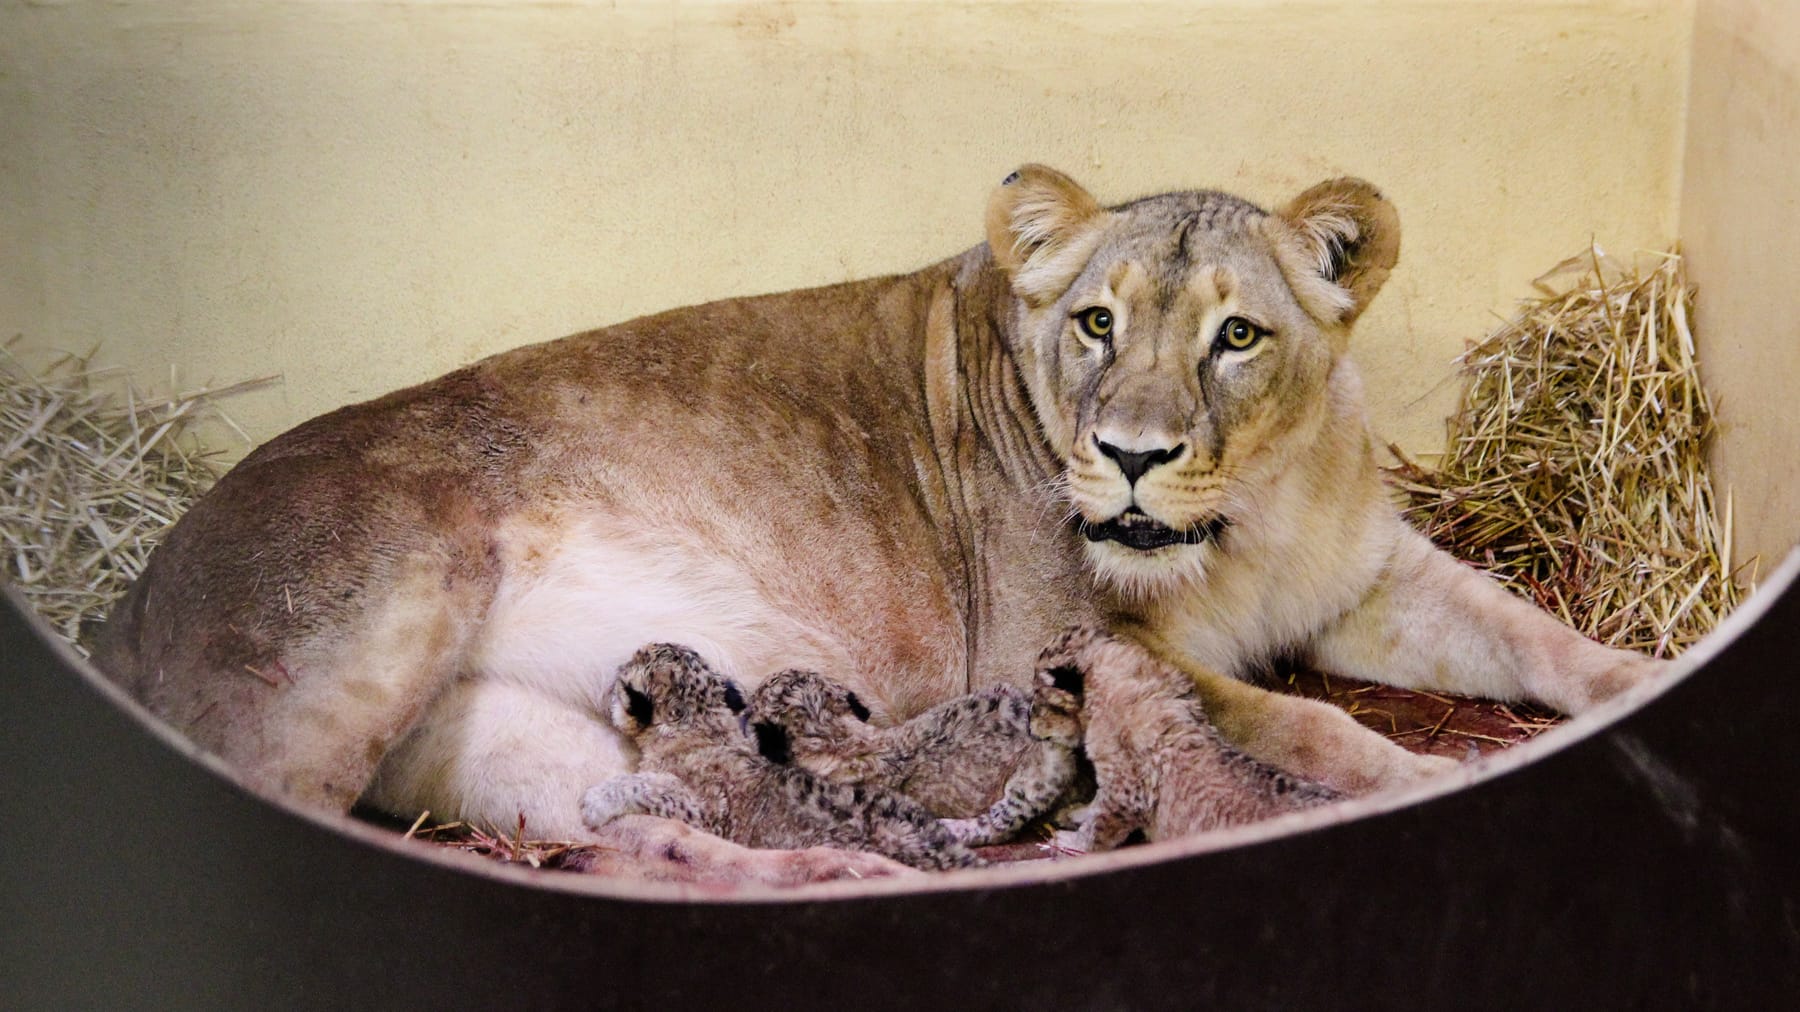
[1040, 227]
[1345, 238]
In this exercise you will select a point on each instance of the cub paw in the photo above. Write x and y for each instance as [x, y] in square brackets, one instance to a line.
[967, 832]
[608, 801]
[1073, 831]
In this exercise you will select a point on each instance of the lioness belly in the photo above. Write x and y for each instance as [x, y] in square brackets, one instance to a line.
[566, 615]
[522, 730]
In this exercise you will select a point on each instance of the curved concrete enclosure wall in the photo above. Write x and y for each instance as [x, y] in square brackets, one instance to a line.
[359, 196]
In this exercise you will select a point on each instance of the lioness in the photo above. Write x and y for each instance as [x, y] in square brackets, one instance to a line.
[1141, 416]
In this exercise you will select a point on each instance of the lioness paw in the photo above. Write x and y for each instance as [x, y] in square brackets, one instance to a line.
[1425, 767]
[1630, 671]
[829, 864]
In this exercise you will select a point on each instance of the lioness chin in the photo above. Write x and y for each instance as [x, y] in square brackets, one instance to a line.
[1141, 416]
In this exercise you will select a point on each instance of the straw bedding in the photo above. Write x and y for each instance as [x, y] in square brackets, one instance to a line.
[93, 476]
[1574, 472]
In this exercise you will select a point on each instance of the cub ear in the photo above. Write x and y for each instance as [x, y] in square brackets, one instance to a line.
[1344, 239]
[1041, 229]
[638, 705]
[772, 742]
[1066, 677]
[734, 697]
[857, 707]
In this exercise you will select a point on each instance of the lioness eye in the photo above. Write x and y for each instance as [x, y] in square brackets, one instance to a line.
[1239, 334]
[1096, 322]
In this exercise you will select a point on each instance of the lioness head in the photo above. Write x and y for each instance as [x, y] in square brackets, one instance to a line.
[1178, 349]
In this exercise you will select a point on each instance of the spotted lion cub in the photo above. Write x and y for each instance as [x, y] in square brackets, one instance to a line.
[988, 762]
[1163, 769]
[700, 765]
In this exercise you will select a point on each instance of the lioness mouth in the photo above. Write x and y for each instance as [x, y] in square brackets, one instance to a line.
[1135, 529]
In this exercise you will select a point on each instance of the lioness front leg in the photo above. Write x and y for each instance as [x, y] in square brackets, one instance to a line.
[1432, 622]
[1310, 738]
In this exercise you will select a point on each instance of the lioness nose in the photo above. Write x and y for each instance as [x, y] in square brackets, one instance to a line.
[1133, 463]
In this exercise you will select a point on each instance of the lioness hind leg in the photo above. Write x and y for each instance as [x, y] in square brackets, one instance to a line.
[304, 702]
[305, 611]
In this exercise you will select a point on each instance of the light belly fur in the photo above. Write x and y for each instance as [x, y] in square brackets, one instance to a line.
[579, 597]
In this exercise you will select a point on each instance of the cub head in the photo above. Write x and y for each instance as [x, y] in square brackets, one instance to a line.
[667, 686]
[814, 714]
[1179, 349]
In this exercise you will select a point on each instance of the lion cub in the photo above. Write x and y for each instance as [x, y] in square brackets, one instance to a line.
[700, 765]
[988, 762]
[1163, 769]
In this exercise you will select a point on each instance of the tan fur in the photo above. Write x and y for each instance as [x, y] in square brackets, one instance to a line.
[422, 599]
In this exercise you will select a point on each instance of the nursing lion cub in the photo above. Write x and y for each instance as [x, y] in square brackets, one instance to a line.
[1141, 416]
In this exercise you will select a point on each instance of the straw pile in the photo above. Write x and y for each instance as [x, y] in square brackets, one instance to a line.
[1575, 470]
[91, 483]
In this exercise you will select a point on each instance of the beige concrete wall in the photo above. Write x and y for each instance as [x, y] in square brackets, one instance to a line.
[359, 196]
[1741, 223]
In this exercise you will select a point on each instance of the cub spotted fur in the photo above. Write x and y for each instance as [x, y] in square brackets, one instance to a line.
[988, 762]
[700, 765]
[1142, 416]
[1161, 767]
